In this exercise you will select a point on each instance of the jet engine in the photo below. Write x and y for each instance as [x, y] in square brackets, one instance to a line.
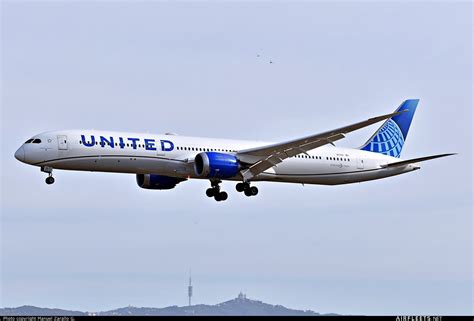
[152, 181]
[216, 165]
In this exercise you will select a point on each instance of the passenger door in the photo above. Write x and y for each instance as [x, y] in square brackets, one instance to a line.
[360, 163]
[62, 142]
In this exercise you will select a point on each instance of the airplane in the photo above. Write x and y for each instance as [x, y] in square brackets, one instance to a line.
[161, 162]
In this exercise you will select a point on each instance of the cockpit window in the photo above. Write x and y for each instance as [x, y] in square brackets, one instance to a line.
[36, 141]
[29, 141]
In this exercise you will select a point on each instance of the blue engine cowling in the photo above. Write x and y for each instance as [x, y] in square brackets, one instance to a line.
[152, 181]
[216, 165]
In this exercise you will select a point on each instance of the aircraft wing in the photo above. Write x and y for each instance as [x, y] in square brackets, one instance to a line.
[264, 157]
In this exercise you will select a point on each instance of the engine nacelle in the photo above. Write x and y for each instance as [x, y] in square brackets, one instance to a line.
[216, 165]
[152, 181]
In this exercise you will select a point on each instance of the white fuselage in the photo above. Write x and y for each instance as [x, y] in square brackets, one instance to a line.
[173, 155]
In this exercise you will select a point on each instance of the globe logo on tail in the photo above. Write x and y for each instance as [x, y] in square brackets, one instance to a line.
[388, 140]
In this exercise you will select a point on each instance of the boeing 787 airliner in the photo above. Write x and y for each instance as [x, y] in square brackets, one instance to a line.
[162, 161]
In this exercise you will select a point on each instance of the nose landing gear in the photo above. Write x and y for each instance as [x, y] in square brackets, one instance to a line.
[50, 179]
[247, 189]
[215, 191]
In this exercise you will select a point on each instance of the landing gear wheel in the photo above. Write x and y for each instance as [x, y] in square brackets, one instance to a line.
[210, 192]
[215, 191]
[49, 180]
[253, 190]
[223, 196]
[248, 192]
[240, 187]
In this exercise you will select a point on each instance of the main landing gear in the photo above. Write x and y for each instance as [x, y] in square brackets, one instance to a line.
[215, 191]
[49, 170]
[247, 189]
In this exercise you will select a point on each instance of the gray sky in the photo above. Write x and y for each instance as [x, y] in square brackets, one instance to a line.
[95, 241]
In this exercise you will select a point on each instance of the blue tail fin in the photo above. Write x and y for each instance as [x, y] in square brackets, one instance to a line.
[391, 136]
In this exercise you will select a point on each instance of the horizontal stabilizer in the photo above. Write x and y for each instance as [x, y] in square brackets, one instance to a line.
[416, 160]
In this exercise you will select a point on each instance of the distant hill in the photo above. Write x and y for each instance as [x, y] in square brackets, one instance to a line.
[27, 310]
[238, 306]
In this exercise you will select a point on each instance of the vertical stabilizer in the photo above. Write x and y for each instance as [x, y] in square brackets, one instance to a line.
[391, 136]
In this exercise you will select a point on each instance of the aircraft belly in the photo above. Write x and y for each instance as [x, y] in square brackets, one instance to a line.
[325, 174]
[122, 164]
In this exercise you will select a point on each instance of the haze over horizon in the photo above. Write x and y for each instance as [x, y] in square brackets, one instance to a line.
[96, 241]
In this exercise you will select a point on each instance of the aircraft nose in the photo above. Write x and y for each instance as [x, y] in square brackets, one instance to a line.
[20, 154]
